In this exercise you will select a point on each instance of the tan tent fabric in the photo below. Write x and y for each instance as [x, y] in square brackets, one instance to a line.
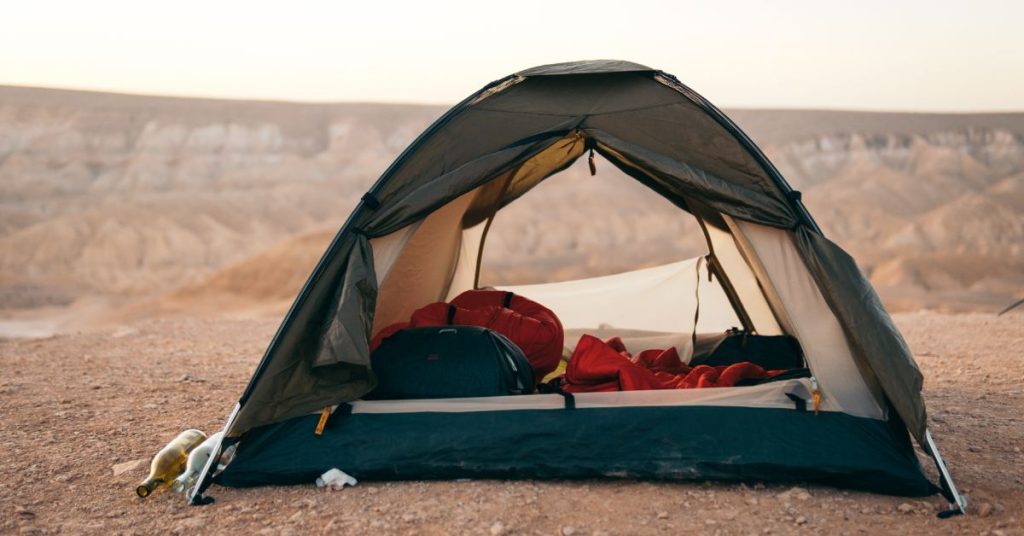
[659, 302]
[464, 277]
[386, 250]
[876, 343]
[769, 395]
[743, 280]
[652, 299]
[549, 161]
[805, 315]
[424, 269]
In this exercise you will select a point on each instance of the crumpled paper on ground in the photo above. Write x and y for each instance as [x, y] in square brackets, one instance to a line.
[335, 479]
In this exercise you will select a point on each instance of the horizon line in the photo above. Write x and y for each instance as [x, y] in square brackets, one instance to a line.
[318, 102]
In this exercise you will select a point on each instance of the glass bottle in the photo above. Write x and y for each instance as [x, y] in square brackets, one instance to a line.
[196, 461]
[170, 462]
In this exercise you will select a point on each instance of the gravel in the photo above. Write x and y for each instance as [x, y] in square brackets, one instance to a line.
[74, 453]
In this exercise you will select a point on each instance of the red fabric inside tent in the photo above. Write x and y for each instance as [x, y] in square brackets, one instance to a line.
[531, 326]
[598, 365]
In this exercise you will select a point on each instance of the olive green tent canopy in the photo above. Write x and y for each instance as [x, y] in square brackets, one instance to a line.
[506, 138]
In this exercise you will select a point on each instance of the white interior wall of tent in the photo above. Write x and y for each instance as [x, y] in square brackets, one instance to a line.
[436, 259]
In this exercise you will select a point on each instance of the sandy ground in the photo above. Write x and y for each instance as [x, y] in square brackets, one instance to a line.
[73, 406]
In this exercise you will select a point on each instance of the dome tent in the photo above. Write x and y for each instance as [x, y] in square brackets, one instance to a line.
[418, 234]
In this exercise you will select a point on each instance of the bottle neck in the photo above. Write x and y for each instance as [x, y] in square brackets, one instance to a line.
[147, 486]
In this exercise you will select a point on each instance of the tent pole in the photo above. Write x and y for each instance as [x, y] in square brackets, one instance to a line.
[194, 496]
[959, 506]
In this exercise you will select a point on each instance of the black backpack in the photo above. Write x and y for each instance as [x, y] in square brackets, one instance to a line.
[449, 362]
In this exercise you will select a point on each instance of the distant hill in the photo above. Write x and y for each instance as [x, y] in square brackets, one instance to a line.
[175, 200]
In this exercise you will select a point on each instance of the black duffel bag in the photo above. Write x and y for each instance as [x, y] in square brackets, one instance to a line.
[449, 362]
[770, 352]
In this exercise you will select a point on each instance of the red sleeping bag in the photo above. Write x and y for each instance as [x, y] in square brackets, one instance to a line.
[531, 326]
[597, 365]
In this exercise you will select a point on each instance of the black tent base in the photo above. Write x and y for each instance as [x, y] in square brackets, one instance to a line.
[659, 443]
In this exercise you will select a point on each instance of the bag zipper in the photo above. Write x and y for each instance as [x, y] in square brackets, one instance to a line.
[512, 363]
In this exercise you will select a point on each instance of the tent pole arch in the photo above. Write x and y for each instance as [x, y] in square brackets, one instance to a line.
[733, 184]
[794, 196]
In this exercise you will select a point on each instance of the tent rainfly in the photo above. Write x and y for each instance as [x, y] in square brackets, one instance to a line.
[417, 237]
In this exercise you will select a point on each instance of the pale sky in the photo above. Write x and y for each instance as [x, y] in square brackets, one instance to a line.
[866, 55]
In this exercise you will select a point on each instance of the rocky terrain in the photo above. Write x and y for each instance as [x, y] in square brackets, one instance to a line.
[82, 414]
[123, 195]
[109, 199]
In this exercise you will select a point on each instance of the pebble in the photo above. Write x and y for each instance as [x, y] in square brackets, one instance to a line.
[801, 520]
[568, 530]
[662, 515]
[64, 478]
[122, 468]
[188, 525]
[985, 509]
[794, 493]
[498, 528]
[905, 508]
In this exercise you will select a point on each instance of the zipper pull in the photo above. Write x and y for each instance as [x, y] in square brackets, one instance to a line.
[815, 395]
[590, 162]
[324, 415]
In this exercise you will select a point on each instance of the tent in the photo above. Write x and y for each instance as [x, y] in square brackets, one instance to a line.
[418, 234]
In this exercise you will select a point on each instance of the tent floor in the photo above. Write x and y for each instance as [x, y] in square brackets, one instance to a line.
[664, 443]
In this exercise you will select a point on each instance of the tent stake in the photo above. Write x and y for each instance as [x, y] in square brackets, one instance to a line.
[1010, 308]
[959, 506]
[194, 496]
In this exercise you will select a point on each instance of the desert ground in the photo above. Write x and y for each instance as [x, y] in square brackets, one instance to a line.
[149, 246]
[80, 407]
